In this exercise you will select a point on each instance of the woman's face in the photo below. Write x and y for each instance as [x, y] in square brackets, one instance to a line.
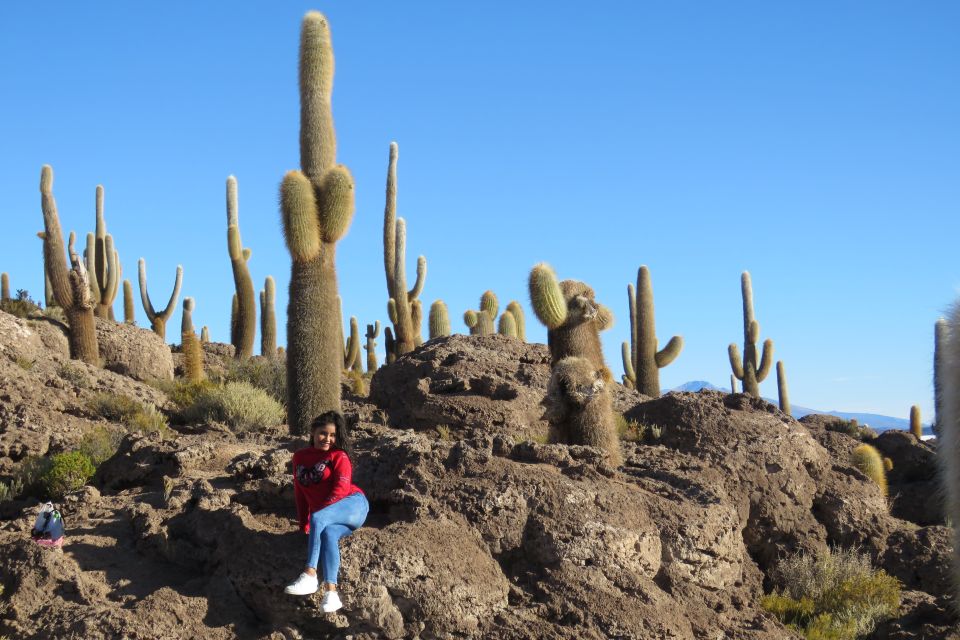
[325, 437]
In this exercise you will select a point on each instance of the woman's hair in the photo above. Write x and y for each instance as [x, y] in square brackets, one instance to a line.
[341, 432]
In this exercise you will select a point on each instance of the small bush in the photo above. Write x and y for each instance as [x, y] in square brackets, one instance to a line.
[853, 429]
[268, 375]
[836, 596]
[21, 306]
[74, 375]
[134, 415]
[148, 421]
[239, 405]
[633, 431]
[99, 444]
[66, 472]
[183, 393]
[443, 432]
[25, 364]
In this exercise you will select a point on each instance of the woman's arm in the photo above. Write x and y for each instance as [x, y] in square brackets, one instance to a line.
[341, 477]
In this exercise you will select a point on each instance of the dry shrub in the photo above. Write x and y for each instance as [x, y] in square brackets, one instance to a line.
[270, 375]
[239, 405]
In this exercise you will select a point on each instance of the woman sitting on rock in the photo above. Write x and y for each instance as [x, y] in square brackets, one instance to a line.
[329, 505]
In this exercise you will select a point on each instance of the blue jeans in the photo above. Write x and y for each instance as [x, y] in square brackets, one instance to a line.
[330, 524]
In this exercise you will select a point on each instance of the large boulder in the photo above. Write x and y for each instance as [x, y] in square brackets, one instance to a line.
[133, 352]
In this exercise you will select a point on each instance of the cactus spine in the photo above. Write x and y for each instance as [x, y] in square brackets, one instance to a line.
[103, 264]
[747, 370]
[646, 360]
[916, 426]
[869, 461]
[246, 318]
[71, 287]
[158, 321]
[407, 330]
[517, 311]
[439, 319]
[373, 332]
[128, 315]
[317, 208]
[268, 320]
[782, 390]
[4, 286]
[940, 333]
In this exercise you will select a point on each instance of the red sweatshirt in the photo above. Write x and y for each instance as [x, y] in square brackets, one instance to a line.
[320, 478]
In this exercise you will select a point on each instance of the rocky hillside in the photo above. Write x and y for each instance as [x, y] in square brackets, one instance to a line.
[477, 529]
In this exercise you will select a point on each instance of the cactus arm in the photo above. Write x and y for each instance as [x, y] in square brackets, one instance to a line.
[414, 293]
[53, 252]
[186, 322]
[144, 294]
[470, 318]
[416, 319]
[353, 346]
[604, 317]
[91, 265]
[628, 372]
[766, 360]
[114, 273]
[392, 310]
[634, 327]
[298, 207]
[318, 141]
[546, 298]
[670, 352]
[172, 302]
[735, 362]
[336, 204]
[390, 222]
[489, 303]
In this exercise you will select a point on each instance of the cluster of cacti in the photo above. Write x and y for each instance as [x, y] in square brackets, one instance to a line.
[244, 321]
[158, 321]
[317, 208]
[373, 332]
[439, 319]
[403, 306]
[916, 426]
[4, 286]
[748, 370]
[869, 461]
[578, 403]
[103, 264]
[71, 287]
[641, 360]
[268, 319]
[481, 322]
[190, 345]
[782, 390]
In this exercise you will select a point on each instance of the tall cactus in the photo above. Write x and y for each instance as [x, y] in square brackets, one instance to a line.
[204, 334]
[782, 391]
[646, 361]
[4, 286]
[351, 352]
[268, 320]
[941, 331]
[948, 445]
[400, 304]
[747, 370]
[190, 345]
[246, 319]
[317, 208]
[517, 311]
[129, 317]
[916, 426]
[186, 317]
[439, 319]
[158, 321]
[103, 264]
[71, 287]
[373, 332]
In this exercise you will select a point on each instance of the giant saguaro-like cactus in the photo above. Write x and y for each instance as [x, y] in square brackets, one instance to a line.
[317, 208]
[246, 317]
[642, 369]
[401, 303]
[268, 320]
[948, 440]
[746, 369]
[71, 287]
[103, 264]
[158, 321]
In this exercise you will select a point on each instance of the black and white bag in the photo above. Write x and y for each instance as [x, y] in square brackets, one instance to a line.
[48, 529]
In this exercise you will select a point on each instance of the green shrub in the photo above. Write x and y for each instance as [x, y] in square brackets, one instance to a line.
[134, 415]
[836, 596]
[21, 306]
[268, 375]
[74, 375]
[66, 472]
[99, 444]
[148, 421]
[183, 393]
[239, 405]
[853, 429]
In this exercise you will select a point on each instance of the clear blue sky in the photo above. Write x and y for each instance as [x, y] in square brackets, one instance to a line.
[813, 144]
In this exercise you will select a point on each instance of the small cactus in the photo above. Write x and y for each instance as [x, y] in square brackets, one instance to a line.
[439, 319]
[916, 427]
[646, 361]
[129, 317]
[747, 370]
[246, 317]
[4, 286]
[268, 320]
[489, 303]
[71, 287]
[204, 335]
[507, 326]
[782, 390]
[103, 264]
[158, 321]
[373, 332]
[190, 345]
[870, 463]
[517, 311]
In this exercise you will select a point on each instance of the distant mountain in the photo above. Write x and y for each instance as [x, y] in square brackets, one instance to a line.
[876, 421]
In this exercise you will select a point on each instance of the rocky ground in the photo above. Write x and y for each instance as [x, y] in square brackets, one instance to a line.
[476, 530]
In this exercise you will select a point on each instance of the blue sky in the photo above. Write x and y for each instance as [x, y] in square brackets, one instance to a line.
[813, 144]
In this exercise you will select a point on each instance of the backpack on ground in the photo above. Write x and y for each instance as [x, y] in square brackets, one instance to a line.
[48, 529]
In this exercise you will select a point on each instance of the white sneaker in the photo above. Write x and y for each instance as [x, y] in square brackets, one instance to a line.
[331, 602]
[303, 586]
